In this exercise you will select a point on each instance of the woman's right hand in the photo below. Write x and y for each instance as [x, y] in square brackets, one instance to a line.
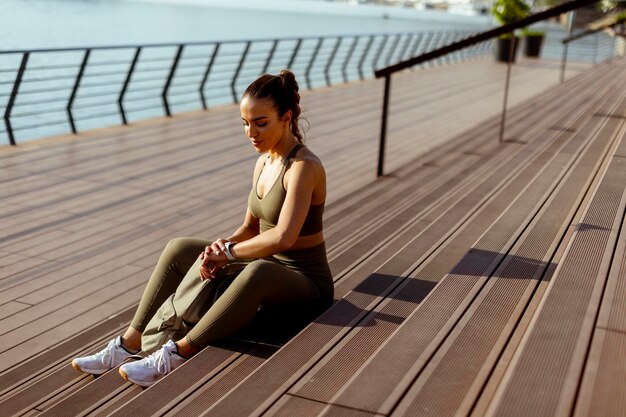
[206, 267]
[212, 260]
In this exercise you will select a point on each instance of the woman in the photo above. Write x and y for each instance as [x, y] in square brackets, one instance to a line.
[280, 245]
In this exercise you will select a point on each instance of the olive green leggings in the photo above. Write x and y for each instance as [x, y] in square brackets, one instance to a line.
[263, 282]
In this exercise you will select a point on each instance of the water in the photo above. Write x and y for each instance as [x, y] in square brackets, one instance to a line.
[28, 24]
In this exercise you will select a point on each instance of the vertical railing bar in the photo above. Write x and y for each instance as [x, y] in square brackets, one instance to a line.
[506, 86]
[461, 53]
[380, 51]
[436, 45]
[404, 50]
[239, 67]
[428, 40]
[344, 67]
[311, 61]
[293, 55]
[270, 56]
[572, 16]
[442, 42]
[446, 39]
[331, 59]
[564, 62]
[120, 99]
[393, 48]
[205, 78]
[464, 53]
[455, 56]
[79, 77]
[432, 44]
[170, 78]
[478, 48]
[411, 47]
[383, 126]
[364, 56]
[423, 39]
[13, 97]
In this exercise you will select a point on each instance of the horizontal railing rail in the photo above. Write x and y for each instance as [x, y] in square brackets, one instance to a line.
[456, 46]
[44, 88]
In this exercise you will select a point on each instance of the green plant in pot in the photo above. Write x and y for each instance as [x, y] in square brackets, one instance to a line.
[506, 12]
[533, 39]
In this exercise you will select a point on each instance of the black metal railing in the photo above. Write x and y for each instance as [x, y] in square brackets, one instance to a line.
[98, 86]
[454, 48]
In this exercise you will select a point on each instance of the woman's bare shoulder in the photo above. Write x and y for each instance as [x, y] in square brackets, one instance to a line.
[307, 155]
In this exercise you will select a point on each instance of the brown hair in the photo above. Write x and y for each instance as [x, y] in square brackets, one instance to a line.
[282, 90]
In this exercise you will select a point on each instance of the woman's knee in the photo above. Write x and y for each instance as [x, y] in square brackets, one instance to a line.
[256, 273]
[184, 245]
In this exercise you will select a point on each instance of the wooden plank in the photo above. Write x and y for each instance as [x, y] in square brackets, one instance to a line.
[120, 399]
[34, 321]
[29, 399]
[11, 308]
[602, 390]
[602, 386]
[443, 388]
[90, 396]
[42, 307]
[58, 334]
[295, 406]
[49, 361]
[568, 311]
[194, 377]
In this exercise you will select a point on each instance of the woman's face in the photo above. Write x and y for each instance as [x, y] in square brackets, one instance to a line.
[262, 123]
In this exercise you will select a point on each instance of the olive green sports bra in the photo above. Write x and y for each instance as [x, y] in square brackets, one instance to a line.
[267, 209]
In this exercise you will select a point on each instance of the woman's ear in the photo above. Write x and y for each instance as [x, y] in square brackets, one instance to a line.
[287, 117]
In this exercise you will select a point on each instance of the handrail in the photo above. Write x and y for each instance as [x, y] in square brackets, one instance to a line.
[455, 46]
[588, 32]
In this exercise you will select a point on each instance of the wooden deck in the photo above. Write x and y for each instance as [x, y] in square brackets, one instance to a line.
[478, 278]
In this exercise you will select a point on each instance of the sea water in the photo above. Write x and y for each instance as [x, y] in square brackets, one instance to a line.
[30, 24]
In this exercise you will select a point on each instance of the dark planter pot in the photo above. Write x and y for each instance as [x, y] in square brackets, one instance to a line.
[503, 49]
[532, 46]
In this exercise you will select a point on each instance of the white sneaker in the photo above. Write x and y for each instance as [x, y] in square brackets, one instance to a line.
[108, 358]
[154, 367]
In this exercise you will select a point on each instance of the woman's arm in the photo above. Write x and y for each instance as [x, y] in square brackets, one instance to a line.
[248, 230]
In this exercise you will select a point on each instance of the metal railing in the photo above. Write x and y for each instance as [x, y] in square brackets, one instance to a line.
[67, 87]
[457, 46]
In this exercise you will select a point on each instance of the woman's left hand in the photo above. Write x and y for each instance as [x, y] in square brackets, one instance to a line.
[212, 262]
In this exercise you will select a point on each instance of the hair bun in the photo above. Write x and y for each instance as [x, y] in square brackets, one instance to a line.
[289, 79]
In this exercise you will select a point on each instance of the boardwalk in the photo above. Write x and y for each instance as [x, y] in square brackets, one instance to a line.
[84, 219]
